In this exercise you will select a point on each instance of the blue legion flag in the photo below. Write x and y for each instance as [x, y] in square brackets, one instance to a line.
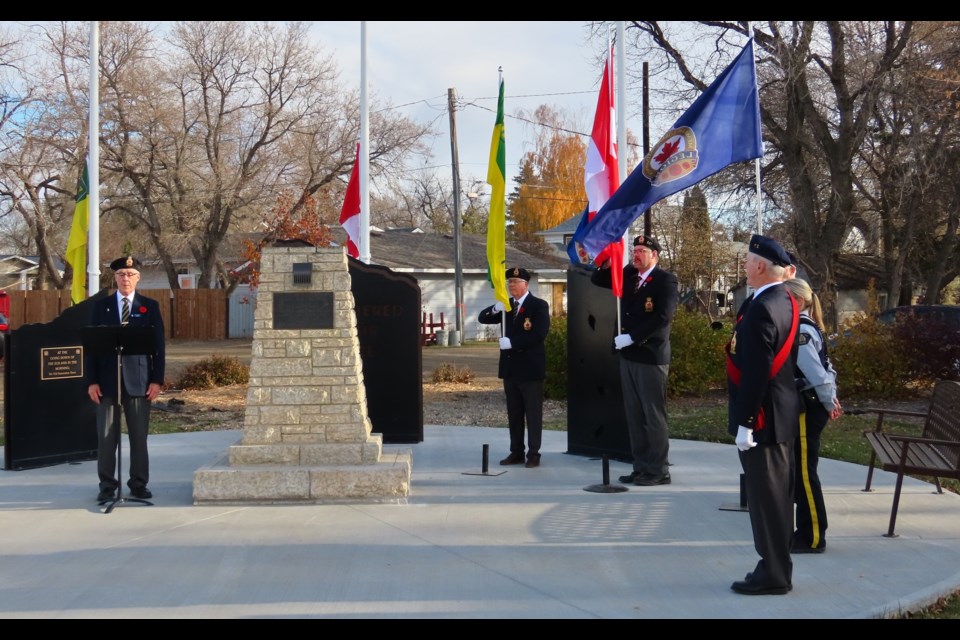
[721, 127]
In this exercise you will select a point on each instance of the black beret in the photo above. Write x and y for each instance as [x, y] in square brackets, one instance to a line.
[518, 272]
[793, 258]
[770, 249]
[648, 242]
[126, 262]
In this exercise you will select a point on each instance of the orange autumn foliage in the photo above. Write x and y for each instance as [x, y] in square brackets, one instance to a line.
[290, 219]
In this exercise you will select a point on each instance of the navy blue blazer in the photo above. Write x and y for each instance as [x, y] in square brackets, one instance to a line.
[527, 328]
[646, 312]
[138, 370]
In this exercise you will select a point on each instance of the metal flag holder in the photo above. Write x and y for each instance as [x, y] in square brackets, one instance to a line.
[606, 487]
[730, 506]
[485, 465]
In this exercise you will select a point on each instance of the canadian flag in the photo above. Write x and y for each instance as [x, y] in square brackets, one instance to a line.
[601, 175]
[350, 213]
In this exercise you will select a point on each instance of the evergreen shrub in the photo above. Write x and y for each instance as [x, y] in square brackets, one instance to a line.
[698, 359]
[555, 384]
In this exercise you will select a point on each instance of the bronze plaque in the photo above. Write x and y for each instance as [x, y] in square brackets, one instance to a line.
[57, 363]
[308, 310]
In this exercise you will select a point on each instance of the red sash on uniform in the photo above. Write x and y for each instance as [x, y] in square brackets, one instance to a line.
[778, 360]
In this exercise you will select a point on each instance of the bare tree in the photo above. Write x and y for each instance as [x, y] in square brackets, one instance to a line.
[909, 175]
[43, 141]
[219, 120]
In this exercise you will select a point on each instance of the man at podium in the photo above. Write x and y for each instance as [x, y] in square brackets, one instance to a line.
[141, 381]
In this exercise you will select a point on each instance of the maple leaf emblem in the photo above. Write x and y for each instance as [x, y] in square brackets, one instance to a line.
[667, 150]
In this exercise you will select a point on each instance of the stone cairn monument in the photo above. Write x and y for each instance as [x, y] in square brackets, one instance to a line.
[306, 433]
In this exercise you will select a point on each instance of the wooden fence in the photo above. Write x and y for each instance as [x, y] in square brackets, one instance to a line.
[188, 314]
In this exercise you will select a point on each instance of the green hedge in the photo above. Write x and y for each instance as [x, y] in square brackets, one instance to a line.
[698, 360]
[871, 362]
[871, 358]
[555, 384]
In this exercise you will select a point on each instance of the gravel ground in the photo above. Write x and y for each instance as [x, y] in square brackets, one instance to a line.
[479, 402]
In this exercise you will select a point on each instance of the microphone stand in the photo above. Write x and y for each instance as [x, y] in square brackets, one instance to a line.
[120, 499]
[102, 340]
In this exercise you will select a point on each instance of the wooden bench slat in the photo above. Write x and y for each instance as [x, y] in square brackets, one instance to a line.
[935, 453]
[920, 456]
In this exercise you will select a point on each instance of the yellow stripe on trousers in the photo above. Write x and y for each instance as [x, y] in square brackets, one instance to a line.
[807, 489]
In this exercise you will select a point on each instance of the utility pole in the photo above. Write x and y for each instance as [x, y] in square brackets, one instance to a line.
[458, 268]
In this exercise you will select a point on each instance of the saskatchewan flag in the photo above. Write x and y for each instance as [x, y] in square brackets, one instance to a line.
[77, 244]
[497, 221]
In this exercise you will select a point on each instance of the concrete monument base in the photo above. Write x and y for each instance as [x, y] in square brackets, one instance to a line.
[306, 436]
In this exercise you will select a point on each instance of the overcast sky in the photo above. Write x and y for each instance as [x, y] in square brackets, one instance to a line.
[415, 63]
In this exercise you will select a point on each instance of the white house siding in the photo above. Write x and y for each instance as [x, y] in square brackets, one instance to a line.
[438, 295]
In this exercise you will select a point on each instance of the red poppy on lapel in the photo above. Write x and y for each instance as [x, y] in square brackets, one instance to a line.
[520, 310]
[143, 309]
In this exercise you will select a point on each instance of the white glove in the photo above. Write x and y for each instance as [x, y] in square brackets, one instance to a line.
[745, 438]
[622, 340]
[505, 344]
[498, 306]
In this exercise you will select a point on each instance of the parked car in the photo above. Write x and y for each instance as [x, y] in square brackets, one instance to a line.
[947, 314]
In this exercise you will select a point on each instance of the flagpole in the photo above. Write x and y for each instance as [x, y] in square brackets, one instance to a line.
[757, 160]
[365, 149]
[621, 135]
[93, 210]
[621, 104]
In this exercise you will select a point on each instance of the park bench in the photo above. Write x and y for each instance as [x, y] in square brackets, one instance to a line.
[936, 452]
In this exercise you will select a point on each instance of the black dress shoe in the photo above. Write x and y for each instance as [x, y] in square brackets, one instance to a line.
[105, 494]
[650, 480]
[803, 548]
[141, 492]
[751, 588]
[629, 478]
[514, 458]
[532, 461]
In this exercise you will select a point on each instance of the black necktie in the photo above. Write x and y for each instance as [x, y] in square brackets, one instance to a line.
[125, 312]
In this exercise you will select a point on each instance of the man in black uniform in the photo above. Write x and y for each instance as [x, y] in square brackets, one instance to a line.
[649, 301]
[764, 413]
[141, 382]
[523, 364]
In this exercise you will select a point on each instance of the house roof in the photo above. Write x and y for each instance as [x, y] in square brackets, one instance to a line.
[567, 226]
[408, 249]
[854, 271]
[28, 263]
[401, 249]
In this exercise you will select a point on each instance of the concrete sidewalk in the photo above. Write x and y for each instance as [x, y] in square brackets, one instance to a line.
[526, 543]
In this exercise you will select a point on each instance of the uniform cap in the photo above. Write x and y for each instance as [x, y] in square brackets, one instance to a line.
[648, 242]
[126, 262]
[518, 272]
[770, 249]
